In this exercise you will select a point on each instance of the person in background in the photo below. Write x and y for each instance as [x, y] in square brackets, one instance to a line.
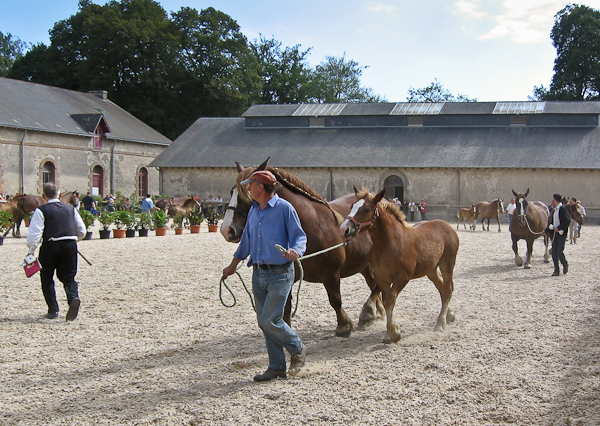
[272, 220]
[89, 203]
[413, 208]
[423, 209]
[58, 226]
[559, 226]
[510, 210]
[147, 204]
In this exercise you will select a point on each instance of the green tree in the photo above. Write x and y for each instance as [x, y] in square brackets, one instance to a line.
[11, 49]
[338, 80]
[285, 72]
[575, 36]
[435, 92]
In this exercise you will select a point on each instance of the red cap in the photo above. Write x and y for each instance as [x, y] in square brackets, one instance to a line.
[262, 176]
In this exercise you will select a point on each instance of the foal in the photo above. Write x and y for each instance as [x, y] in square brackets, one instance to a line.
[401, 253]
[467, 215]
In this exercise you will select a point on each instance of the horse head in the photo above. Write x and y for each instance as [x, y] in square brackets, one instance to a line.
[363, 213]
[500, 204]
[239, 205]
[574, 209]
[522, 206]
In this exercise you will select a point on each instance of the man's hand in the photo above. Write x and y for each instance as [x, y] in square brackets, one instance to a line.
[230, 270]
[291, 254]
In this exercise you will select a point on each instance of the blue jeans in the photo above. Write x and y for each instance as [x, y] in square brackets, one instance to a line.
[271, 288]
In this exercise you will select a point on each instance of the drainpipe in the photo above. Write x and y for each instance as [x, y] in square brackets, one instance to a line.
[330, 184]
[22, 164]
[457, 187]
[112, 167]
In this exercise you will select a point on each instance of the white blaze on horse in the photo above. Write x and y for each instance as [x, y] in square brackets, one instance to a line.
[529, 222]
[402, 252]
[467, 215]
[489, 211]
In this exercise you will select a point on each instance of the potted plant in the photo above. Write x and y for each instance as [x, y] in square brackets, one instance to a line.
[160, 223]
[6, 222]
[178, 224]
[88, 220]
[105, 219]
[212, 218]
[195, 218]
[130, 222]
[144, 223]
[120, 219]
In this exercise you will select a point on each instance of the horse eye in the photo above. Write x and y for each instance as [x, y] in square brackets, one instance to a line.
[367, 210]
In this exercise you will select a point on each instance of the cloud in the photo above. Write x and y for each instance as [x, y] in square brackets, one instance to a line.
[524, 21]
[468, 8]
[385, 8]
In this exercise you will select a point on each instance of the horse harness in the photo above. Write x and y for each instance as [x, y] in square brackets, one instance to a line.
[360, 225]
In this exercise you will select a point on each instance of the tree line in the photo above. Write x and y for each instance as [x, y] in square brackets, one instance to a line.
[168, 70]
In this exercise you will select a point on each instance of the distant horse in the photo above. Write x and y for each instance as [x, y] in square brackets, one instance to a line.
[28, 203]
[320, 221]
[164, 203]
[529, 222]
[489, 211]
[71, 197]
[401, 253]
[17, 214]
[467, 215]
[189, 204]
[574, 210]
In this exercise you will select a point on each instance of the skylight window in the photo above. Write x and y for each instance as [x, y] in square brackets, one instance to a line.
[519, 107]
[417, 108]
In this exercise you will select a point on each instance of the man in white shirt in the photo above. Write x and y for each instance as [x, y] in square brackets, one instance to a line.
[510, 209]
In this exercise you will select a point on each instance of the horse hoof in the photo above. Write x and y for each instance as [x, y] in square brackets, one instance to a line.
[344, 331]
[546, 261]
[450, 317]
[528, 266]
[518, 262]
[364, 324]
[388, 340]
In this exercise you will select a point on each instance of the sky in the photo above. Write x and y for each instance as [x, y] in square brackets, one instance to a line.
[489, 50]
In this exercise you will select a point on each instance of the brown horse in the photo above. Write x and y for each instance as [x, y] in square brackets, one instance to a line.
[489, 211]
[71, 197]
[320, 222]
[28, 203]
[401, 253]
[164, 203]
[574, 209]
[18, 216]
[467, 215]
[189, 204]
[529, 222]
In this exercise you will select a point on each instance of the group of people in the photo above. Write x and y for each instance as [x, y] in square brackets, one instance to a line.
[412, 207]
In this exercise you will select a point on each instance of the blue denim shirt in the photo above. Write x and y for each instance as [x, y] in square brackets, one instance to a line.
[277, 223]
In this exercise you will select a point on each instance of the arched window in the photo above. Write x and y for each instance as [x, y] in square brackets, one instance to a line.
[48, 173]
[143, 182]
[97, 181]
[394, 188]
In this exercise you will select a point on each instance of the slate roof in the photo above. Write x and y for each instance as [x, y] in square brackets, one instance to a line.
[219, 142]
[32, 106]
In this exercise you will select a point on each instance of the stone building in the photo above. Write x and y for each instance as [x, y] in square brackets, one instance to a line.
[80, 141]
[449, 154]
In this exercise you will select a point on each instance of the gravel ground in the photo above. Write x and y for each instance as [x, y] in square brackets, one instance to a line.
[154, 346]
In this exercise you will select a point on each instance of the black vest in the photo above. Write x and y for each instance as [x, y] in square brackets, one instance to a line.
[59, 220]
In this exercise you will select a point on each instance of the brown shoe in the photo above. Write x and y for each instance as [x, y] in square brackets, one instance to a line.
[73, 309]
[297, 361]
[270, 374]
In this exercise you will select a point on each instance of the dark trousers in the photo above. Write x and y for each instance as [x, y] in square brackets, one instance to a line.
[412, 216]
[558, 249]
[59, 256]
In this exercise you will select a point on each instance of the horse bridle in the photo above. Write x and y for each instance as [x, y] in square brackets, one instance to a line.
[360, 225]
[237, 210]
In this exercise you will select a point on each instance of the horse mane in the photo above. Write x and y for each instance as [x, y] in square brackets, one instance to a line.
[297, 185]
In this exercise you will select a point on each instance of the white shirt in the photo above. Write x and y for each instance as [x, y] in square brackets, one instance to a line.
[510, 209]
[36, 228]
[555, 216]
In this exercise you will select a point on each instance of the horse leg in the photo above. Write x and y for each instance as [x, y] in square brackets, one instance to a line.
[488, 225]
[515, 247]
[389, 302]
[345, 325]
[498, 220]
[445, 287]
[546, 254]
[373, 308]
[529, 252]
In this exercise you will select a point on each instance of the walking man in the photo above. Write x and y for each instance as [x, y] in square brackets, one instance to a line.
[510, 210]
[559, 226]
[272, 220]
[58, 226]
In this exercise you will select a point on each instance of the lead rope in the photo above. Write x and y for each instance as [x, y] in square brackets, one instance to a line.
[222, 282]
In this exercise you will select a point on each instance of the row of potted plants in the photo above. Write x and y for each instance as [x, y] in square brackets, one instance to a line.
[126, 223]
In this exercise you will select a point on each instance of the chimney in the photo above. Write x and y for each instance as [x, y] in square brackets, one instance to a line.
[102, 94]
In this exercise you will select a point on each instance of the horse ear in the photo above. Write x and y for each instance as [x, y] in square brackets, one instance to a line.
[514, 192]
[379, 196]
[356, 190]
[526, 193]
[264, 164]
[239, 167]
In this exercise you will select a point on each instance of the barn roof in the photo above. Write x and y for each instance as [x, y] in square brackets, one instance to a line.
[219, 142]
[32, 106]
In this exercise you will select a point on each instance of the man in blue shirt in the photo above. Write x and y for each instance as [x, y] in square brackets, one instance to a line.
[272, 220]
[147, 204]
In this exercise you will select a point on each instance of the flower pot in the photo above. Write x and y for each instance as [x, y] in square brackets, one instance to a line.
[27, 221]
[1, 240]
[213, 228]
[130, 233]
[104, 234]
[195, 229]
[142, 232]
[88, 235]
[119, 233]
[178, 231]
[161, 232]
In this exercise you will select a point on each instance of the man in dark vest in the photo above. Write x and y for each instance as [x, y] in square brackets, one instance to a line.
[559, 226]
[58, 226]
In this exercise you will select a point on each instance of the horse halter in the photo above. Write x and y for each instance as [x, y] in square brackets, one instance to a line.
[237, 210]
[360, 225]
[523, 211]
